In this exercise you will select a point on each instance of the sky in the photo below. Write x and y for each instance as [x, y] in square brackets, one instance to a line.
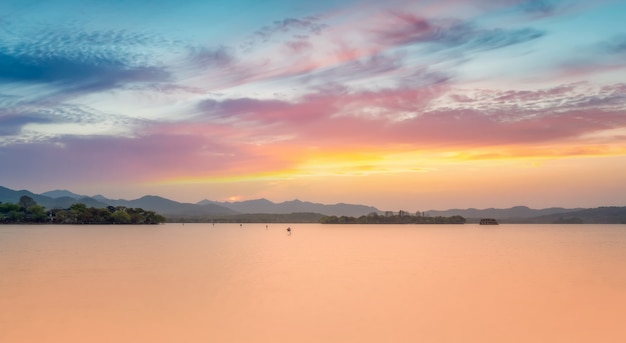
[398, 104]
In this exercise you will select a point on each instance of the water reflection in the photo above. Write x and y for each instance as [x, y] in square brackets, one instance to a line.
[226, 283]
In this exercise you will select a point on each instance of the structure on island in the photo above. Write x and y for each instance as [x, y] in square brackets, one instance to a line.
[488, 221]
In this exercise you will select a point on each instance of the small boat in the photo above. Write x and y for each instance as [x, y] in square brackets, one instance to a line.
[488, 221]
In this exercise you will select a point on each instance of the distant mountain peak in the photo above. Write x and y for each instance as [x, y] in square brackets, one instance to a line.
[61, 193]
[64, 198]
[205, 202]
[152, 197]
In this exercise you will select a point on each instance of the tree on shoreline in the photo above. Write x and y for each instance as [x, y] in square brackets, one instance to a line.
[401, 218]
[27, 211]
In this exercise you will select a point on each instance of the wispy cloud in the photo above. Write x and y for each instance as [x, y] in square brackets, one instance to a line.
[416, 116]
[407, 29]
[307, 25]
[52, 67]
[617, 45]
[38, 123]
[211, 91]
[11, 125]
[243, 136]
[71, 59]
[539, 7]
[594, 61]
[205, 57]
[287, 30]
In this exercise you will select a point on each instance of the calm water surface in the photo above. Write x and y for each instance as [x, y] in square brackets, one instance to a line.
[324, 283]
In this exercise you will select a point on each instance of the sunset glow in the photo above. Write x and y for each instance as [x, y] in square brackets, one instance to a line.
[397, 104]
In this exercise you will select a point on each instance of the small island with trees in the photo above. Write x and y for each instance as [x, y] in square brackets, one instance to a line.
[26, 211]
[402, 217]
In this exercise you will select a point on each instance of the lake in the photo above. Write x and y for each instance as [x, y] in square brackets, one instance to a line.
[323, 283]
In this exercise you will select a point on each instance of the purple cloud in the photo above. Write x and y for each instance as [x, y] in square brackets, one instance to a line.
[299, 46]
[308, 25]
[207, 57]
[357, 69]
[478, 119]
[540, 8]
[11, 125]
[293, 29]
[409, 29]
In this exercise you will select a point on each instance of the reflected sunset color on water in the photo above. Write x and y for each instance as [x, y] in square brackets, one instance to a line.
[322, 283]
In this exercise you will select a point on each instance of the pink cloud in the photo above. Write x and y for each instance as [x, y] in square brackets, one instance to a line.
[249, 136]
[299, 46]
[354, 49]
[371, 118]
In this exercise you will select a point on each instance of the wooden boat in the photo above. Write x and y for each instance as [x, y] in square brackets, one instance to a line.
[488, 221]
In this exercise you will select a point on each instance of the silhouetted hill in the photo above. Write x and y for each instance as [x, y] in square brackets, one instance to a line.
[66, 202]
[62, 193]
[523, 214]
[209, 210]
[168, 207]
[160, 205]
[517, 212]
[9, 195]
[248, 206]
[600, 215]
[202, 209]
[295, 206]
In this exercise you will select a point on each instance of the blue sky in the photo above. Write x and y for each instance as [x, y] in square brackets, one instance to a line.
[279, 99]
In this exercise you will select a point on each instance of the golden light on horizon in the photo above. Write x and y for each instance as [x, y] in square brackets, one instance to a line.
[386, 162]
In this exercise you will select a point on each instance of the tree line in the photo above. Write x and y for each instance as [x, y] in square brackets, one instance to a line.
[27, 211]
[401, 218]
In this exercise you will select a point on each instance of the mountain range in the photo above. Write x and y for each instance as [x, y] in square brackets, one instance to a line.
[207, 209]
[170, 208]
[512, 213]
